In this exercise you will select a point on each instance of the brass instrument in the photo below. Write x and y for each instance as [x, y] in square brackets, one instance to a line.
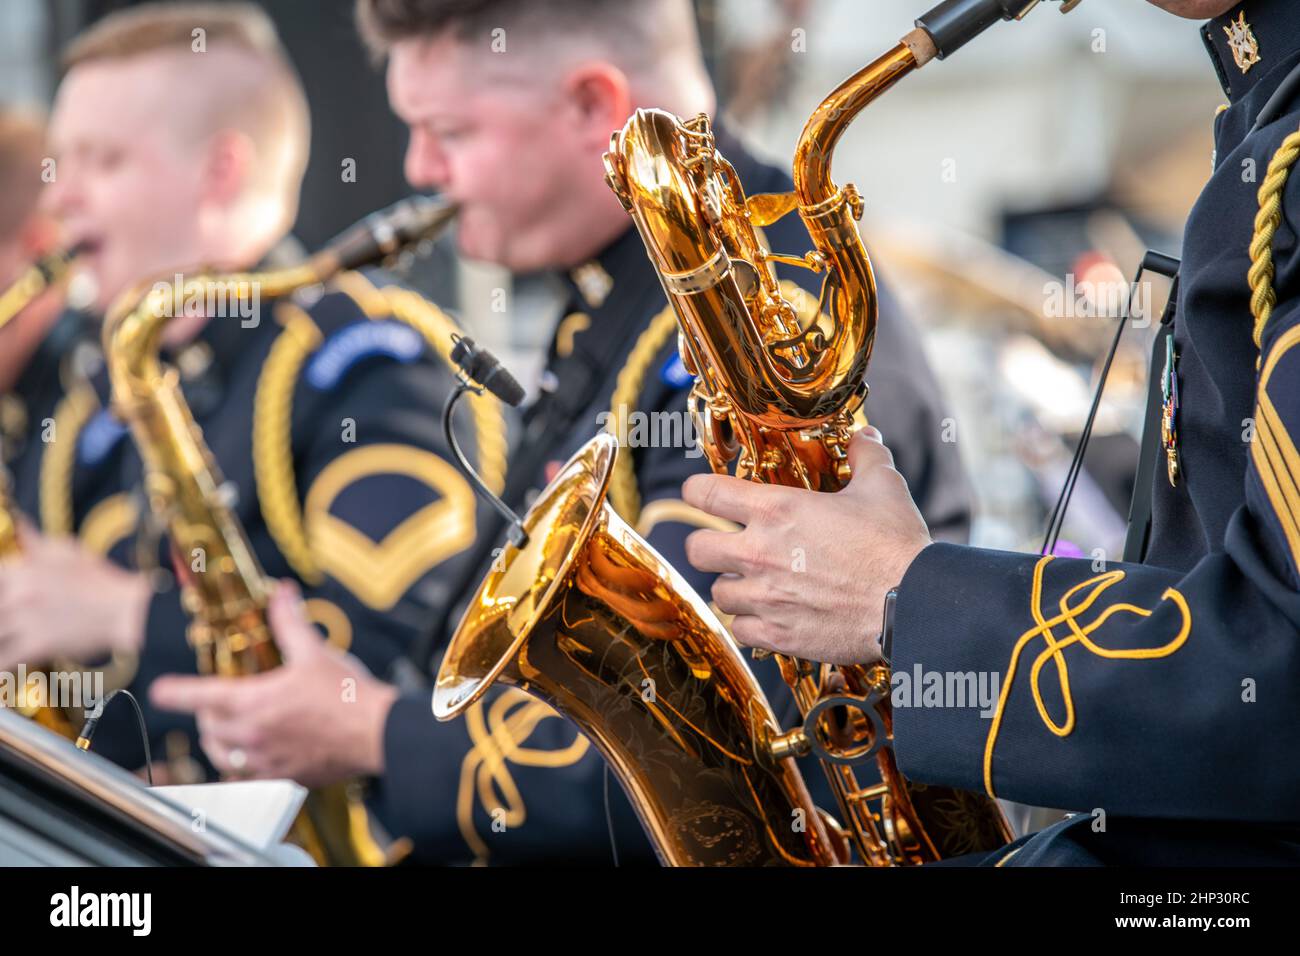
[223, 586]
[33, 705]
[9, 547]
[46, 273]
[588, 618]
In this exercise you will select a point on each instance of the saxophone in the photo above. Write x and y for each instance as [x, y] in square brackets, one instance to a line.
[35, 705]
[584, 615]
[45, 273]
[48, 272]
[227, 598]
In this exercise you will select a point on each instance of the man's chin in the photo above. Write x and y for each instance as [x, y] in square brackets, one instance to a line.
[471, 246]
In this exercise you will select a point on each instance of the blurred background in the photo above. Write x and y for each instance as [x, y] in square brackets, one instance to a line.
[1010, 194]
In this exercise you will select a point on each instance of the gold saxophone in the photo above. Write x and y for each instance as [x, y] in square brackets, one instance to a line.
[587, 617]
[9, 547]
[34, 705]
[777, 388]
[227, 598]
[48, 272]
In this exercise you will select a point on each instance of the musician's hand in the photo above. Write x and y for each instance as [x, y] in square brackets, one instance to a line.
[317, 719]
[808, 574]
[60, 600]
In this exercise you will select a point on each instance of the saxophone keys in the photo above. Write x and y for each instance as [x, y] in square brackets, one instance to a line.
[793, 743]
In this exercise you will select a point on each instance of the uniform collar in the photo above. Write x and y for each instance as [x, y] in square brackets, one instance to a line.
[593, 282]
[613, 289]
[1253, 44]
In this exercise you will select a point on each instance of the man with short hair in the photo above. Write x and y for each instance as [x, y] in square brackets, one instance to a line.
[179, 140]
[37, 339]
[1158, 698]
[26, 235]
[511, 105]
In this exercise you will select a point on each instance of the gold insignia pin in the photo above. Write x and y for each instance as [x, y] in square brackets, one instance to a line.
[593, 282]
[1242, 42]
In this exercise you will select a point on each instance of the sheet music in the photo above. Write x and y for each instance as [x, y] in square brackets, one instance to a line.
[259, 812]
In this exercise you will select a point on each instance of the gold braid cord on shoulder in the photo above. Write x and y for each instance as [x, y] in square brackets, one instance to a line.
[277, 489]
[1262, 294]
[59, 460]
[623, 493]
[273, 409]
[437, 327]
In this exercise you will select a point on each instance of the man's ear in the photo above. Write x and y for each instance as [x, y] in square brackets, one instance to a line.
[228, 166]
[601, 99]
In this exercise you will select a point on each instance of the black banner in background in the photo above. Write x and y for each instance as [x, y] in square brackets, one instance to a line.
[687, 908]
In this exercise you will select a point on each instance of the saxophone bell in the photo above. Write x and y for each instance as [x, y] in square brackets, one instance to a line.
[588, 618]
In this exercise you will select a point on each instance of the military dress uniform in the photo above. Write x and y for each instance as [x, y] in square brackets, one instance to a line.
[511, 782]
[27, 412]
[1157, 699]
[323, 413]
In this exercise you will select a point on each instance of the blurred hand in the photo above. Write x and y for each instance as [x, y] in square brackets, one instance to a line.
[808, 574]
[317, 719]
[60, 600]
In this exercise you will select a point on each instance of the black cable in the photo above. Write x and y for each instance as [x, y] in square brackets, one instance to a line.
[609, 818]
[518, 537]
[92, 724]
[1152, 261]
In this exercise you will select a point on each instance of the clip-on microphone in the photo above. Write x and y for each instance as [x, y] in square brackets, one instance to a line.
[481, 370]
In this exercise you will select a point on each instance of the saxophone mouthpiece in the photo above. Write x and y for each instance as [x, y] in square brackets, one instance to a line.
[954, 23]
[387, 232]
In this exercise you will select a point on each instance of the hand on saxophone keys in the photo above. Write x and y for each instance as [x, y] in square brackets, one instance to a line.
[808, 573]
[318, 718]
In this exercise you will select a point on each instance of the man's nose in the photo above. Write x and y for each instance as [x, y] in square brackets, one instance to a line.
[425, 166]
[61, 194]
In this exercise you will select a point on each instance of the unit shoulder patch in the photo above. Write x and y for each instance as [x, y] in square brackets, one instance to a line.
[99, 437]
[673, 372]
[358, 342]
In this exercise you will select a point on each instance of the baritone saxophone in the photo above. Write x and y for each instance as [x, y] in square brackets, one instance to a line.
[584, 615]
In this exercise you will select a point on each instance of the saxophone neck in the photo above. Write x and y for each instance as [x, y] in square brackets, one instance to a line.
[133, 332]
[134, 328]
[822, 132]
